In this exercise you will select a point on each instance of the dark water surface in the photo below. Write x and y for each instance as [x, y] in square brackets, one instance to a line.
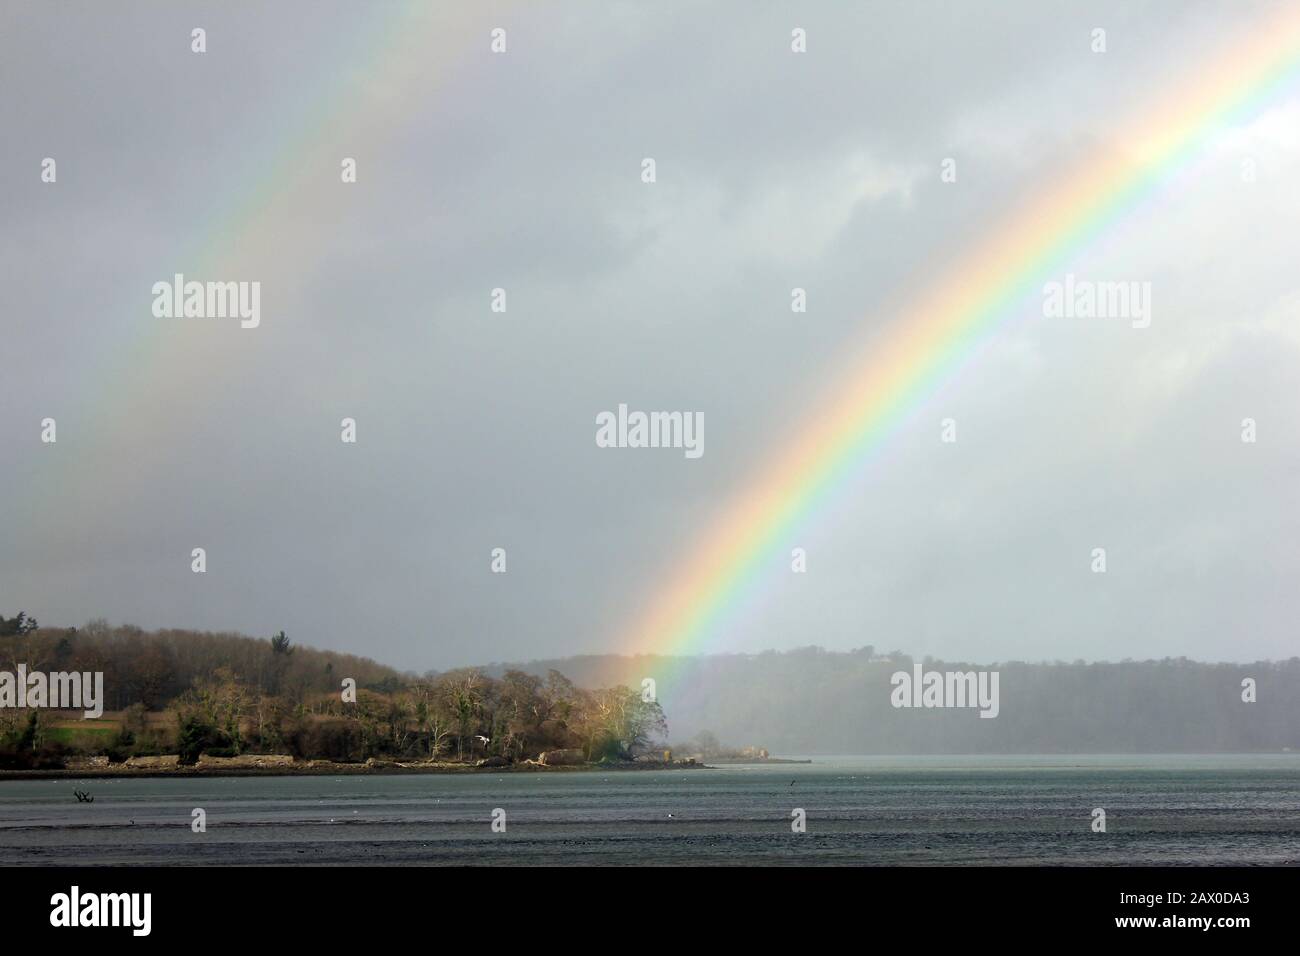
[1165, 810]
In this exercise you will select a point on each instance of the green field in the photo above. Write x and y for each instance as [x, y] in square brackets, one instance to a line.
[97, 733]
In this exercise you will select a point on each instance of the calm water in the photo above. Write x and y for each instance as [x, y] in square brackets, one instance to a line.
[875, 810]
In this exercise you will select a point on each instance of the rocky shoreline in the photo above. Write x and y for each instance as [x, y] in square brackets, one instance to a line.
[273, 765]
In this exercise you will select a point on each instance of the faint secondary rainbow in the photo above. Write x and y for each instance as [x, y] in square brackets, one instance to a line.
[941, 327]
[350, 98]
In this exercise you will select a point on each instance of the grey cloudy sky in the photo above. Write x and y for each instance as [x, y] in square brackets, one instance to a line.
[476, 430]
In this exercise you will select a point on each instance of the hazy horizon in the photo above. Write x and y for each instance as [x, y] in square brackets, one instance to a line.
[547, 659]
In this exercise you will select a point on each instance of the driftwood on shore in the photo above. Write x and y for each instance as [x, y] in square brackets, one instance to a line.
[561, 758]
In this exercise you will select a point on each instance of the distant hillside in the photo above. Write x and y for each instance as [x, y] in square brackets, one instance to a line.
[816, 701]
[155, 667]
[801, 701]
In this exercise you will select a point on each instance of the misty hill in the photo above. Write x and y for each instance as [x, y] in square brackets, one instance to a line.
[816, 701]
[802, 701]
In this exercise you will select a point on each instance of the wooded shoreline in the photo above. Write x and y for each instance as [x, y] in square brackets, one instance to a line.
[323, 768]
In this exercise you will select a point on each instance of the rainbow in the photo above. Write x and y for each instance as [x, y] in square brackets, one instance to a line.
[892, 374]
[347, 98]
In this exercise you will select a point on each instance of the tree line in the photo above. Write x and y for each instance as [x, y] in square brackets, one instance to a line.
[228, 694]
